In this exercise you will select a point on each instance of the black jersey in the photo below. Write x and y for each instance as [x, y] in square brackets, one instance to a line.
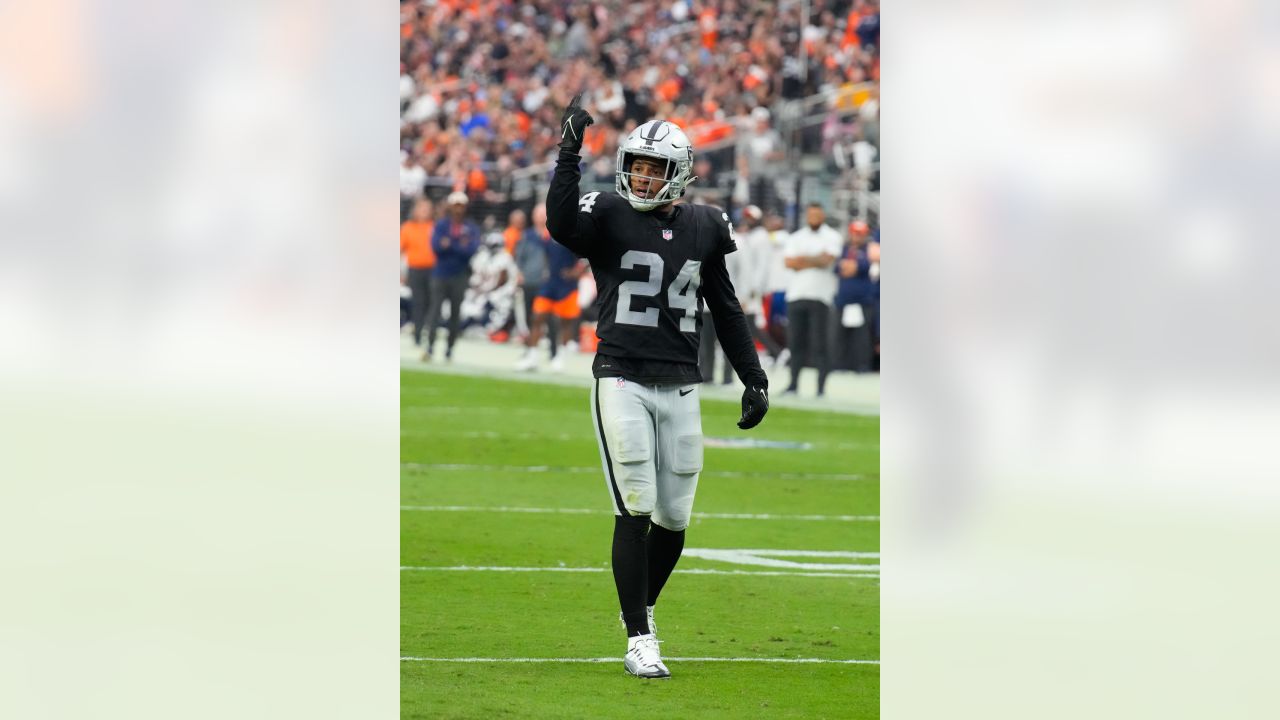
[653, 273]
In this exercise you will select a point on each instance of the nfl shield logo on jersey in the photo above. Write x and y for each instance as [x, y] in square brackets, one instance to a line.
[666, 234]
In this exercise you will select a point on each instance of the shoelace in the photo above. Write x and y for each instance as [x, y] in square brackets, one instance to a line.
[645, 644]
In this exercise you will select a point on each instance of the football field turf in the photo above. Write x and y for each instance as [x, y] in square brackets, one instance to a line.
[508, 607]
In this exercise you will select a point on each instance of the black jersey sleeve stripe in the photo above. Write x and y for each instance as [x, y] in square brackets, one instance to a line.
[604, 449]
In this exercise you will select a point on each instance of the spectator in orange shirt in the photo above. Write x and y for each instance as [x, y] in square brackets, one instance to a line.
[516, 225]
[477, 183]
[667, 90]
[415, 248]
[708, 25]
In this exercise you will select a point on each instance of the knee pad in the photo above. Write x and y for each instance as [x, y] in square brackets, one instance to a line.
[670, 523]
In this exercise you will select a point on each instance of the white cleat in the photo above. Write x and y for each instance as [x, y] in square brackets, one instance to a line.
[527, 363]
[557, 364]
[643, 659]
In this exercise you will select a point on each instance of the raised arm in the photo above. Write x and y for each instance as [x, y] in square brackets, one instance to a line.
[567, 225]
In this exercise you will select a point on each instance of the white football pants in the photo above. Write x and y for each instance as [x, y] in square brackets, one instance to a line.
[650, 446]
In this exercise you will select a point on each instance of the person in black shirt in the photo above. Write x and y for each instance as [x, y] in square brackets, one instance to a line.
[655, 263]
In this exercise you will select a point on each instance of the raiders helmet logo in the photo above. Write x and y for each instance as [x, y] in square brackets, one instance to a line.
[655, 132]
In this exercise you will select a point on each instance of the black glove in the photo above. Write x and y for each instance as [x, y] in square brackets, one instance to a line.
[573, 124]
[755, 403]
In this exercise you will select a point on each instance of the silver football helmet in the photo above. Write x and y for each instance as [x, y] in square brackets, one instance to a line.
[662, 141]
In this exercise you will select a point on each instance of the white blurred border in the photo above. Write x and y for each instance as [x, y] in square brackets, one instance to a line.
[1080, 393]
[200, 426]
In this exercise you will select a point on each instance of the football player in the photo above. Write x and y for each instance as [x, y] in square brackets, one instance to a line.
[557, 297]
[655, 263]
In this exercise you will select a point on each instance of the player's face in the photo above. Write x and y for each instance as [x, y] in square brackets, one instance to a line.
[647, 177]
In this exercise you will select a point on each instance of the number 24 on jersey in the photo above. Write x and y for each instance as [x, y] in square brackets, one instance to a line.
[682, 293]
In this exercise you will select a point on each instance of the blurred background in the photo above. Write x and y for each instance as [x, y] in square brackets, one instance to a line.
[781, 100]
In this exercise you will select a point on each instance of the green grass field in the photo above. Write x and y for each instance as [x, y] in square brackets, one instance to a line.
[498, 475]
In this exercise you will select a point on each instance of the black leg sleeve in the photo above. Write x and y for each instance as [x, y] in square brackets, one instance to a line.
[664, 548]
[631, 570]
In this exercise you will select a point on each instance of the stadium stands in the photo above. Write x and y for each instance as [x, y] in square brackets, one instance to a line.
[785, 93]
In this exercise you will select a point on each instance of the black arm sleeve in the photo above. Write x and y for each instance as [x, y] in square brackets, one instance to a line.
[731, 325]
[568, 227]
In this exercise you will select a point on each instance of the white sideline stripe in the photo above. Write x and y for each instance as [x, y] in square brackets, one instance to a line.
[614, 659]
[771, 558]
[494, 435]
[585, 511]
[873, 570]
[491, 435]
[580, 469]
[807, 553]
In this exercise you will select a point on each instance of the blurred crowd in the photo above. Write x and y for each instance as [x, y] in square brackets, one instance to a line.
[482, 85]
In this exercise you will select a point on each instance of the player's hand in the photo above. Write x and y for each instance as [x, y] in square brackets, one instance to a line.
[755, 403]
[573, 124]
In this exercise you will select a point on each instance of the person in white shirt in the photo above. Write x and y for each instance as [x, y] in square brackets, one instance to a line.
[749, 270]
[775, 284]
[810, 253]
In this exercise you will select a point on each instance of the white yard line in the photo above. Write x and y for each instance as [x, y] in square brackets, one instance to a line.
[492, 435]
[503, 509]
[583, 469]
[614, 659]
[773, 558]
[495, 435]
[775, 552]
[872, 571]
[587, 511]
[479, 409]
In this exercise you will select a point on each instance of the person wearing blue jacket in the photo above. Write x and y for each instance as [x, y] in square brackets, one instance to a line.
[454, 240]
[854, 320]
